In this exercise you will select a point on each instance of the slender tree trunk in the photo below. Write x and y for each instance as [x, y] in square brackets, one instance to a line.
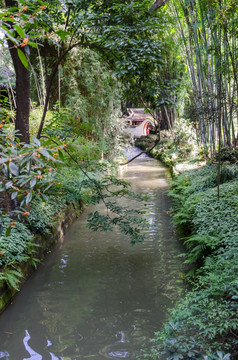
[169, 122]
[219, 93]
[22, 96]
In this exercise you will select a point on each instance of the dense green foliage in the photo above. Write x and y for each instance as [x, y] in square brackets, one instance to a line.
[204, 324]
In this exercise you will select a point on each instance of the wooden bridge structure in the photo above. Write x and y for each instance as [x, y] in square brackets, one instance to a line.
[138, 122]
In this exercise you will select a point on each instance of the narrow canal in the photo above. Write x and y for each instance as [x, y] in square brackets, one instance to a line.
[96, 296]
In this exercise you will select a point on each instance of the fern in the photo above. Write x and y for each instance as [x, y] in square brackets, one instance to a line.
[12, 277]
[199, 246]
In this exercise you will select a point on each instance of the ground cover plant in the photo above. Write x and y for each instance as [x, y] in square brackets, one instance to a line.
[203, 325]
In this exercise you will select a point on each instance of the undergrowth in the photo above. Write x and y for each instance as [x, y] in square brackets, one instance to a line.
[17, 245]
[71, 190]
[15, 248]
[203, 325]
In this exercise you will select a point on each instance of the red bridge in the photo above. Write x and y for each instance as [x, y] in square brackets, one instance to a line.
[139, 123]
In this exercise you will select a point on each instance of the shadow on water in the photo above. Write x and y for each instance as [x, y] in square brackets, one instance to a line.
[96, 296]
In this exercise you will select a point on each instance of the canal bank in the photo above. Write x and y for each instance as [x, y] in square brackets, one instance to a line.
[97, 296]
[203, 325]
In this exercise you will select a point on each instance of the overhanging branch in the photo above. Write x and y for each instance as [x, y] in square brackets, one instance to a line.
[158, 4]
[142, 152]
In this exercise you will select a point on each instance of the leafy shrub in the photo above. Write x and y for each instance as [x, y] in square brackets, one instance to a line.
[63, 125]
[26, 171]
[85, 151]
[42, 213]
[12, 277]
[70, 190]
[228, 155]
[206, 177]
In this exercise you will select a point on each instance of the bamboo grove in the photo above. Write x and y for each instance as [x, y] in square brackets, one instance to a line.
[208, 34]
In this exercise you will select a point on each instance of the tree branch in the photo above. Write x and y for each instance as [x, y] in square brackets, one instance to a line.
[158, 4]
[142, 152]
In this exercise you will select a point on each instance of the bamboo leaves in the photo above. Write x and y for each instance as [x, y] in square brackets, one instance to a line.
[207, 30]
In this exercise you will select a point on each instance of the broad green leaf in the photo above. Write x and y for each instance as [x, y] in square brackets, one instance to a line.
[62, 34]
[8, 231]
[20, 31]
[13, 169]
[23, 58]
[28, 197]
[31, 43]
[45, 198]
[14, 195]
[44, 152]
[9, 19]
[8, 184]
[3, 160]
[36, 141]
[32, 182]
[61, 155]
[8, 34]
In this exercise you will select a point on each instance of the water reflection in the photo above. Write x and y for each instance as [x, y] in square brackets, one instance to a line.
[97, 297]
[4, 355]
[118, 349]
[34, 355]
[63, 262]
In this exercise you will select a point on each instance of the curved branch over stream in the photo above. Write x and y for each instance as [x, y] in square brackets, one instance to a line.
[142, 152]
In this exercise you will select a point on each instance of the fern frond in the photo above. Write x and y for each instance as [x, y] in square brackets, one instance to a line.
[12, 277]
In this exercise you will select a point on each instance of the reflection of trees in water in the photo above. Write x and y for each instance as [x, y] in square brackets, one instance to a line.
[4, 355]
[33, 354]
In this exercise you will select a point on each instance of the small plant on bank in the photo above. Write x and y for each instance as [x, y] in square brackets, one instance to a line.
[11, 276]
[16, 247]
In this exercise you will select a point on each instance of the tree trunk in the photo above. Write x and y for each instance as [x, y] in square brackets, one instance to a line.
[22, 91]
[22, 96]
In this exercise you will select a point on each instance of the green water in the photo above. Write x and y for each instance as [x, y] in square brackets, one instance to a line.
[96, 297]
